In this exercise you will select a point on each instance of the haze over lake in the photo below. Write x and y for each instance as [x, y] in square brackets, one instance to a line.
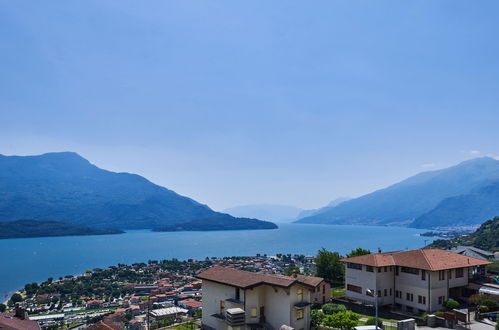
[36, 259]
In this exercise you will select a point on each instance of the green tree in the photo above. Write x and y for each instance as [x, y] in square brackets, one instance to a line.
[16, 297]
[358, 252]
[329, 266]
[2, 308]
[316, 318]
[292, 270]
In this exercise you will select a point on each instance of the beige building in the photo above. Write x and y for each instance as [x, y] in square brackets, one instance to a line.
[415, 281]
[236, 299]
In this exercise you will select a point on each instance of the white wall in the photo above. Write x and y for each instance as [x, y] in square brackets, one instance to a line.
[405, 283]
[385, 280]
[362, 278]
[212, 294]
[278, 303]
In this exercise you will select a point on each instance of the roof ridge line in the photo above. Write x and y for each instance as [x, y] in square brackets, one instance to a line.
[426, 258]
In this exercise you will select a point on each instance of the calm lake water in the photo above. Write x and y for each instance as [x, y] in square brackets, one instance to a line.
[35, 259]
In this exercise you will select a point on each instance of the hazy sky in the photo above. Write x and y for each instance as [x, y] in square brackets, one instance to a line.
[242, 102]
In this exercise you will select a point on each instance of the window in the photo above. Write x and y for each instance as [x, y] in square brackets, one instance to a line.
[441, 300]
[390, 292]
[385, 292]
[397, 293]
[409, 296]
[391, 268]
[410, 270]
[449, 274]
[299, 293]
[441, 275]
[299, 314]
[323, 288]
[397, 270]
[354, 266]
[379, 293]
[238, 294]
[423, 275]
[459, 272]
[379, 269]
[253, 312]
[385, 269]
[422, 300]
[222, 307]
[369, 269]
[354, 288]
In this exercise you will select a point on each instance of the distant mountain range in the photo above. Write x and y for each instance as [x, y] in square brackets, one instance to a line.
[334, 203]
[66, 187]
[461, 195]
[278, 213]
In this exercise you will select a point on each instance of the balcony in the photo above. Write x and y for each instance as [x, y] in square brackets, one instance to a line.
[235, 317]
[302, 304]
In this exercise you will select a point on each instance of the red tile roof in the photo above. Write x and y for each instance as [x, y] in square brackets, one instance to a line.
[9, 321]
[429, 259]
[191, 303]
[101, 325]
[244, 279]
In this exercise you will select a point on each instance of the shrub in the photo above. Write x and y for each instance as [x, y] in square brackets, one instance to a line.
[316, 317]
[372, 321]
[491, 304]
[330, 309]
[451, 304]
[483, 308]
[342, 320]
[439, 313]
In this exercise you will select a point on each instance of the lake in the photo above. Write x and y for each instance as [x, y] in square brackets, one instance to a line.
[35, 259]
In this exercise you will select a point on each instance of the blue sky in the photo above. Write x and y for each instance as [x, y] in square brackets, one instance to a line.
[243, 102]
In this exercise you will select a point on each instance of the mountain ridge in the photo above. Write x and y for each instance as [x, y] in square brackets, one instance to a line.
[404, 202]
[67, 187]
[271, 212]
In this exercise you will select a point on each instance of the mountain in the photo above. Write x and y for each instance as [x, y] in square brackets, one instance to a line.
[278, 213]
[66, 187]
[463, 210]
[413, 200]
[46, 228]
[334, 203]
[219, 222]
[486, 237]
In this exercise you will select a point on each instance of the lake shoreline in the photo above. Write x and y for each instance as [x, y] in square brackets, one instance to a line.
[36, 259]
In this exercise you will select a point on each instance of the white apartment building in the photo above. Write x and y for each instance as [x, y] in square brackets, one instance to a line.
[240, 300]
[415, 281]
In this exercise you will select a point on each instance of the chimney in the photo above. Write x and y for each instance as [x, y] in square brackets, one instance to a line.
[20, 312]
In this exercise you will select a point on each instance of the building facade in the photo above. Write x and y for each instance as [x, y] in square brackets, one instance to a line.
[415, 281]
[236, 299]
